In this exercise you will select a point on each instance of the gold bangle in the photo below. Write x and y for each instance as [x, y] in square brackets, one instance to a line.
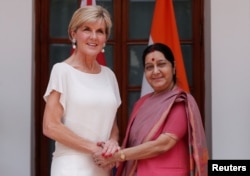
[122, 155]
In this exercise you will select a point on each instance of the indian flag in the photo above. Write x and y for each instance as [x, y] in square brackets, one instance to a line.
[164, 30]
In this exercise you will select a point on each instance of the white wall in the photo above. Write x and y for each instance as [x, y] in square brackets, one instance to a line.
[227, 36]
[15, 87]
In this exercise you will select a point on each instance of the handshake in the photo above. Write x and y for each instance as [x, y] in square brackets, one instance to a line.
[109, 156]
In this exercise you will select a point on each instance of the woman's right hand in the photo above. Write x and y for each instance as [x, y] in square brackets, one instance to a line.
[102, 161]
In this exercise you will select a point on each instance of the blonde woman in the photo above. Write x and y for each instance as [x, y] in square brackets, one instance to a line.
[82, 99]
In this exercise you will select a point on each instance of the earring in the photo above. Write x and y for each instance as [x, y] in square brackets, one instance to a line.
[103, 50]
[74, 43]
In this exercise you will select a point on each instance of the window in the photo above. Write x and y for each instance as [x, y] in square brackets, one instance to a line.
[131, 28]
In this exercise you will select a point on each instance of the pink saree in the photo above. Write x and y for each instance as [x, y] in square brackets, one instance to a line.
[160, 107]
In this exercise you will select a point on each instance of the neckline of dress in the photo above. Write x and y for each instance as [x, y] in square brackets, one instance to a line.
[73, 68]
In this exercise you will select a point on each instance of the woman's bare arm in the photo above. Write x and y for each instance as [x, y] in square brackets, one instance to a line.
[56, 130]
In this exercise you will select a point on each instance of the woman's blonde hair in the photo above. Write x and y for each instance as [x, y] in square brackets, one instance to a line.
[90, 14]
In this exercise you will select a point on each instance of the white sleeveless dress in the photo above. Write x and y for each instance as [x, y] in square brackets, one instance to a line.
[90, 103]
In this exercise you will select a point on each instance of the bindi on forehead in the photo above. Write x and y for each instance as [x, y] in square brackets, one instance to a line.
[153, 59]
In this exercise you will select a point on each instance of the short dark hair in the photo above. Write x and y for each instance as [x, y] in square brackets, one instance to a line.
[165, 50]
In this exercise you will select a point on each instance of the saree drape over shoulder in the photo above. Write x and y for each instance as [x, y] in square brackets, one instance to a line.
[155, 111]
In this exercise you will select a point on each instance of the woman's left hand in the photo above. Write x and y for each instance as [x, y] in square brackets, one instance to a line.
[109, 147]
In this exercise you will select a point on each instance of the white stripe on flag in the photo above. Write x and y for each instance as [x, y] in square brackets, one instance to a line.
[146, 88]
